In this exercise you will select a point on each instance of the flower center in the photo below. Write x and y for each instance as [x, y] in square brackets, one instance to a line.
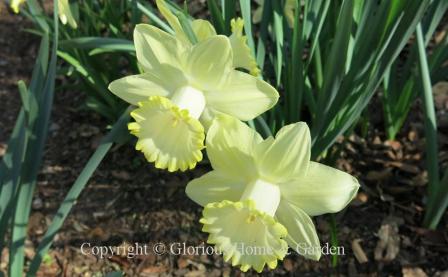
[265, 195]
[191, 99]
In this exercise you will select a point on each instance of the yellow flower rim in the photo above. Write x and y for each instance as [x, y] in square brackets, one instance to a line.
[258, 240]
[167, 135]
[237, 26]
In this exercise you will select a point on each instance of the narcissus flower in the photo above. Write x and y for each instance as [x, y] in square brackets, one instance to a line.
[65, 14]
[261, 193]
[15, 5]
[290, 10]
[184, 86]
[203, 29]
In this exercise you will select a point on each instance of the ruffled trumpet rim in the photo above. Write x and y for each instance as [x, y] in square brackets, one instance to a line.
[245, 235]
[167, 135]
[242, 54]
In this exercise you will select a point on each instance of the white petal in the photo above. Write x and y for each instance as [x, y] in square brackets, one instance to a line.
[323, 190]
[155, 47]
[203, 29]
[215, 186]
[230, 146]
[288, 156]
[136, 88]
[243, 96]
[302, 236]
[210, 62]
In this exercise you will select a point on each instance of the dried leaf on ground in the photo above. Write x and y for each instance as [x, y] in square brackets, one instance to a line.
[388, 245]
[413, 272]
[360, 255]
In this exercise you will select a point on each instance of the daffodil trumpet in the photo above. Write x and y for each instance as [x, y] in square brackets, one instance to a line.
[260, 195]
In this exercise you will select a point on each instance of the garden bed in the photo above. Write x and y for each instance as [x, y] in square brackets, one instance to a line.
[129, 201]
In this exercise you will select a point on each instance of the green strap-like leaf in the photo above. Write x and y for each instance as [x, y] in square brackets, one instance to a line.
[114, 44]
[36, 137]
[73, 194]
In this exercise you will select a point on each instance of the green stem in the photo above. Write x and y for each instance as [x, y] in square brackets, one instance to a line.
[264, 126]
[317, 60]
[434, 215]
[334, 239]
[296, 78]
[217, 17]
[430, 127]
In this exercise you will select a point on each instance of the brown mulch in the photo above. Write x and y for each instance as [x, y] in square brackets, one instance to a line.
[128, 201]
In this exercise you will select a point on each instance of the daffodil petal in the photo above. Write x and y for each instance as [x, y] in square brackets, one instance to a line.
[136, 88]
[257, 15]
[230, 146]
[323, 190]
[243, 96]
[302, 236]
[215, 186]
[15, 5]
[207, 117]
[288, 156]
[263, 146]
[289, 10]
[246, 236]
[203, 29]
[242, 55]
[210, 62]
[155, 47]
[172, 20]
[65, 14]
[167, 135]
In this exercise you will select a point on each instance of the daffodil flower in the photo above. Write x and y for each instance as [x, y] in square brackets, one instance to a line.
[183, 88]
[261, 193]
[65, 14]
[203, 29]
[289, 10]
[15, 5]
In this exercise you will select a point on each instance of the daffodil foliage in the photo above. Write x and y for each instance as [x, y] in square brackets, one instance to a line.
[185, 86]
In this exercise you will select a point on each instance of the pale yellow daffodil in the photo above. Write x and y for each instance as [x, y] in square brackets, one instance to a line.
[183, 88]
[203, 29]
[289, 10]
[261, 193]
[65, 13]
[15, 5]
